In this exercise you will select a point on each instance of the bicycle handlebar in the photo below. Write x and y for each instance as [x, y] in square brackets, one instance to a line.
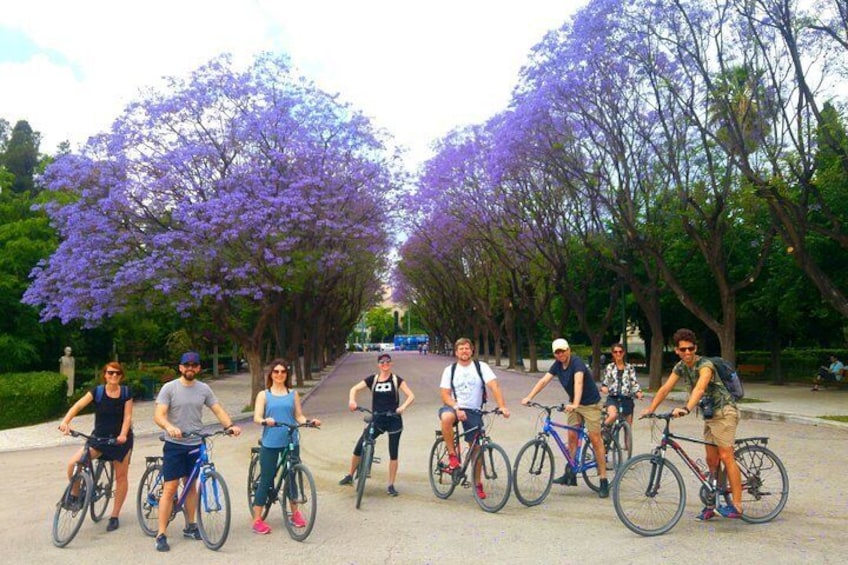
[667, 416]
[93, 438]
[549, 409]
[292, 427]
[378, 414]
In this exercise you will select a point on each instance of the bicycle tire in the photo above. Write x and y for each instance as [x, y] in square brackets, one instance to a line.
[641, 505]
[765, 483]
[299, 488]
[589, 466]
[104, 477]
[364, 469]
[623, 434]
[70, 513]
[253, 472]
[533, 473]
[147, 500]
[495, 476]
[213, 509]
[441, 480]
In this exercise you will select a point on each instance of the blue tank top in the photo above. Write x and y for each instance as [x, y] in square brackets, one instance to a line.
[281, 408]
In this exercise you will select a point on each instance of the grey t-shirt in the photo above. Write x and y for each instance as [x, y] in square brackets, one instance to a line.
[185, 407]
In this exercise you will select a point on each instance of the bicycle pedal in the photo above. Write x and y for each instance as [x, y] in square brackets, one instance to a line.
[375, 460]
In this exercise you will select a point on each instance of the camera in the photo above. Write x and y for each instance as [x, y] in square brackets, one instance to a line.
[707, 408]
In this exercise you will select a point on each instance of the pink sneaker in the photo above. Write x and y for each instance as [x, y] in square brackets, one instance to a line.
[297, 520]
[481, 494]
[453, 463]
[260, 527]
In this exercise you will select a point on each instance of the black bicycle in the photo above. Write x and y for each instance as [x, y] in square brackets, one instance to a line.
[619, 431]
[89, 490]
[369, 442]
[649, 493]
[293, 487]
[483, 454]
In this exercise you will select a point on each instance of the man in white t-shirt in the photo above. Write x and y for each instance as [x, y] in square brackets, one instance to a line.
[463, 393]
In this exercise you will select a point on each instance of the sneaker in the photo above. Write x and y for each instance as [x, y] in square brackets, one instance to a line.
[454, 464]
[391, 491]
[297, 520]
[481, 494]
[707, 513]
[346, 480]
[568, 478]
[604, 490]
[112, 525]
[260, 527]
[191, 532]
[729, 512]
[73, 503]
[162, 543]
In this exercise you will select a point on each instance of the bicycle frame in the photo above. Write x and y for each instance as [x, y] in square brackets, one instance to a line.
[549, 430]
[479, 439]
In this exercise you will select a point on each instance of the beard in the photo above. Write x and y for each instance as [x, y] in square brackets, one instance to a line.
[189, 375]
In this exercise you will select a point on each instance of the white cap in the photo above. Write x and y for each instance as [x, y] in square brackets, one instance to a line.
[559, 344]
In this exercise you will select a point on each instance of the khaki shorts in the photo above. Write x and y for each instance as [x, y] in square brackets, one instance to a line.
[590, 415]
[721, 428]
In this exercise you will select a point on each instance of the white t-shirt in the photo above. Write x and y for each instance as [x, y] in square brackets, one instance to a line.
[466, 383]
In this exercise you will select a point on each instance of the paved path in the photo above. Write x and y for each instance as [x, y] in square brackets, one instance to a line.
[791, 403]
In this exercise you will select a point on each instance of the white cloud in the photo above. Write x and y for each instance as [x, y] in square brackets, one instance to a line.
[418, 68]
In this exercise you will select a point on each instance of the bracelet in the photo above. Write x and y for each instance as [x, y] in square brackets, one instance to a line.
[687, 410]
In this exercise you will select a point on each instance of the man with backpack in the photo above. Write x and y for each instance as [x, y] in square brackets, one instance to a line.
[385, 389]
[463, 390]
[718, 408]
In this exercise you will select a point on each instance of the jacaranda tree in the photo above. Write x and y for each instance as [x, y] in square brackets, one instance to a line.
[234, 192]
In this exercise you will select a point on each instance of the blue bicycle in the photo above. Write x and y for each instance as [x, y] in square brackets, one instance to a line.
[533, 472]
[213, 507]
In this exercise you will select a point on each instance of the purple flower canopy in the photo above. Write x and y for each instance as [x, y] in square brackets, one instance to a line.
[230, 184]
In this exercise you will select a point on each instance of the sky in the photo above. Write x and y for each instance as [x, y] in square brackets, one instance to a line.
[417, 69]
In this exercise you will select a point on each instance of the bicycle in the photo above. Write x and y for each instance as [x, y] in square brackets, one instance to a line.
[620, 429]
[89, 491]
[293, 486]
[484, 454]
[213, 506]
[534, 465]
[649, 494]
[367, 459]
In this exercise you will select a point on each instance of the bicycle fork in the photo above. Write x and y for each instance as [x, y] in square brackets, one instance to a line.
[655, 479]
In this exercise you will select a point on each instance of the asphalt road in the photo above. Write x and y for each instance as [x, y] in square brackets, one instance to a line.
[572, 525]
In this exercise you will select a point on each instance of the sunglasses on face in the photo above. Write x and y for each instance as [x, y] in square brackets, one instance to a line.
[384, 363]
[559, 351]
[617, 351]
[279, 371]
[191, 364]
[685, 349]
[112, 372]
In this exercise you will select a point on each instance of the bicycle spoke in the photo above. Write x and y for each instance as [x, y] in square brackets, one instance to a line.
[213, 509]
[649, 495]
[533, 472]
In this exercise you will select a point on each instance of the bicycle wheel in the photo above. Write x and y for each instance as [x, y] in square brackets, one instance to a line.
[253, 483]
[649, 495]
[299, 491]
[765, 484]
[615, 457]
[623, 434]
[71, 509]
[104, 476]
[495, 476]
[589, 466]
[213, 509]
[363, 470]
[441, 479]
[147, 499]
[533, 472]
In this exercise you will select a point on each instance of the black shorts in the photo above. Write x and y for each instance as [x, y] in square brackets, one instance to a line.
[625, 402]
[178, 460]
[115, 452]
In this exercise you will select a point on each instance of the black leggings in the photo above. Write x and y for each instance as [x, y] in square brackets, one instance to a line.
[394, 444]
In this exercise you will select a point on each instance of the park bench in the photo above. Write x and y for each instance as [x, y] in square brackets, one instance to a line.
[750, 370]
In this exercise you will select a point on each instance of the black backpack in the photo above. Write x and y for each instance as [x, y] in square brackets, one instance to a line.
[482, 380]
[101, 390]
[729, 376]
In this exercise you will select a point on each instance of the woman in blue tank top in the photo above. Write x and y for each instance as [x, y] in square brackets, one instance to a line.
[277, 403]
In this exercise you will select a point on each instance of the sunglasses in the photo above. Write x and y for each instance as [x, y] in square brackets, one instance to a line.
[617, 351]
[558, 351]
[384, 363]
[191, 364]
[278, 371]
[685, 349]
[111, 372]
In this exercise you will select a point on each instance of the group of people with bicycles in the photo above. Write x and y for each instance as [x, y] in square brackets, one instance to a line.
[463, 387]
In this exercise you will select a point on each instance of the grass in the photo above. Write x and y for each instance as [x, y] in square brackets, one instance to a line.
[750, 401]
[835, 418]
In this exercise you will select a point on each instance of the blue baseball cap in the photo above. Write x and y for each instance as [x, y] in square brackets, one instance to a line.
[190, 357]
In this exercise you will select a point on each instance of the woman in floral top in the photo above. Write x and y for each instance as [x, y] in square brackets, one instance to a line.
[620, 385]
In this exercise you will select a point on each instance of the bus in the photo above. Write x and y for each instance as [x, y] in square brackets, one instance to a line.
[410, 342]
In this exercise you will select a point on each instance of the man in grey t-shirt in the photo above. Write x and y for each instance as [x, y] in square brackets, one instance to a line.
[179, 411]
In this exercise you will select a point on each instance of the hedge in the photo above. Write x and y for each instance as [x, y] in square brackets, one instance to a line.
[31, 398]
